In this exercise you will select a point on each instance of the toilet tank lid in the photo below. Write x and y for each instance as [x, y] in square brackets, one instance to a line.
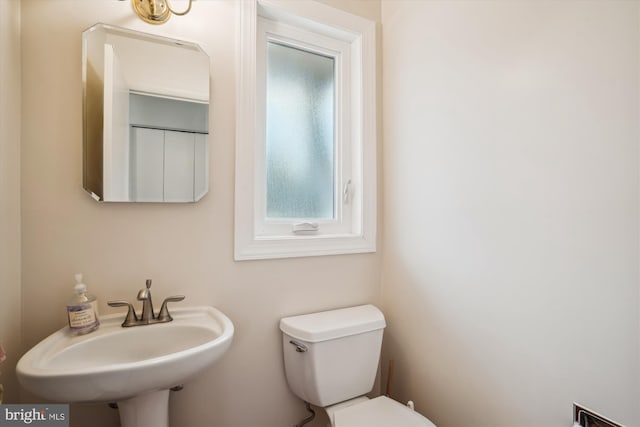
[327, 325]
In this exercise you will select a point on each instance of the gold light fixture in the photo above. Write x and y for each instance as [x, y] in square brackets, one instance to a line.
[156, 11]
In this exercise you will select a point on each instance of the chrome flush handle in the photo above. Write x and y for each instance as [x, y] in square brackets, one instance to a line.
[300, 348]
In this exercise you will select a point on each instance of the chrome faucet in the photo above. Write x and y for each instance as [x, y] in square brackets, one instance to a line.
[147, 317]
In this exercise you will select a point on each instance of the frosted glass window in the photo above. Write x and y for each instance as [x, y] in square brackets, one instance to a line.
[299, 134]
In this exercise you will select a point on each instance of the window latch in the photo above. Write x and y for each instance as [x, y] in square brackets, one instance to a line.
[345, 192]
[305, 227]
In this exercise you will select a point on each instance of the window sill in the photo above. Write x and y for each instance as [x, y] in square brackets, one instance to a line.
[303, 246]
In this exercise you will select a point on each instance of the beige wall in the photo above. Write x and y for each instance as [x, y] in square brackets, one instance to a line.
[10, 193]
[510, 277]
[185, 249]
[511, 213]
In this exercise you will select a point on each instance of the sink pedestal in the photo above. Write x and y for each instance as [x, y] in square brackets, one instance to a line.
[146, 410]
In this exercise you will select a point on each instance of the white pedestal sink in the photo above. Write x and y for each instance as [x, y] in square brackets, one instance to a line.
[133, 366]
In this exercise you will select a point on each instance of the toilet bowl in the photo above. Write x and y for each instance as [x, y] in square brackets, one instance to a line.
[379, 412]
[331, 360]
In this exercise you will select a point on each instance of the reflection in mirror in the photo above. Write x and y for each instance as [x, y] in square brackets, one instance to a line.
[146, 117]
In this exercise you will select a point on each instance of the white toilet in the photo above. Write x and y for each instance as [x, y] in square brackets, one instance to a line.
[331, 360]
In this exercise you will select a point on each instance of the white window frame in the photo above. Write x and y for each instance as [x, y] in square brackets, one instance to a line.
[351, 40]
[340, 52]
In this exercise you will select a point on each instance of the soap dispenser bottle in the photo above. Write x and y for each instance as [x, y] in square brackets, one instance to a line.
[82, 310]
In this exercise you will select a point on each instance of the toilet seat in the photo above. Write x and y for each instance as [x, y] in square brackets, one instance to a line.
[379, 412]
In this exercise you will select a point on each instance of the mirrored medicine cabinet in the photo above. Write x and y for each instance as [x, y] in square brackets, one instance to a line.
[145, 117]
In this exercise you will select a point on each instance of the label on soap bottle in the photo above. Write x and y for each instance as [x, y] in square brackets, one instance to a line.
[82, 317]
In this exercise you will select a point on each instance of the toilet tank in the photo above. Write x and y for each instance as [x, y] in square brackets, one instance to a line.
[332, 356]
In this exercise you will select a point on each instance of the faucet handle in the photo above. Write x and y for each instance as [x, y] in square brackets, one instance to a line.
[164, 315]
[131, 318]
[145, 293]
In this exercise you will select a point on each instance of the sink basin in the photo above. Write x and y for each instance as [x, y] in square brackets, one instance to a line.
[117, 364]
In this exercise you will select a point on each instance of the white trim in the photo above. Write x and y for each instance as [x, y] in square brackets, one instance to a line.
[358, 32]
